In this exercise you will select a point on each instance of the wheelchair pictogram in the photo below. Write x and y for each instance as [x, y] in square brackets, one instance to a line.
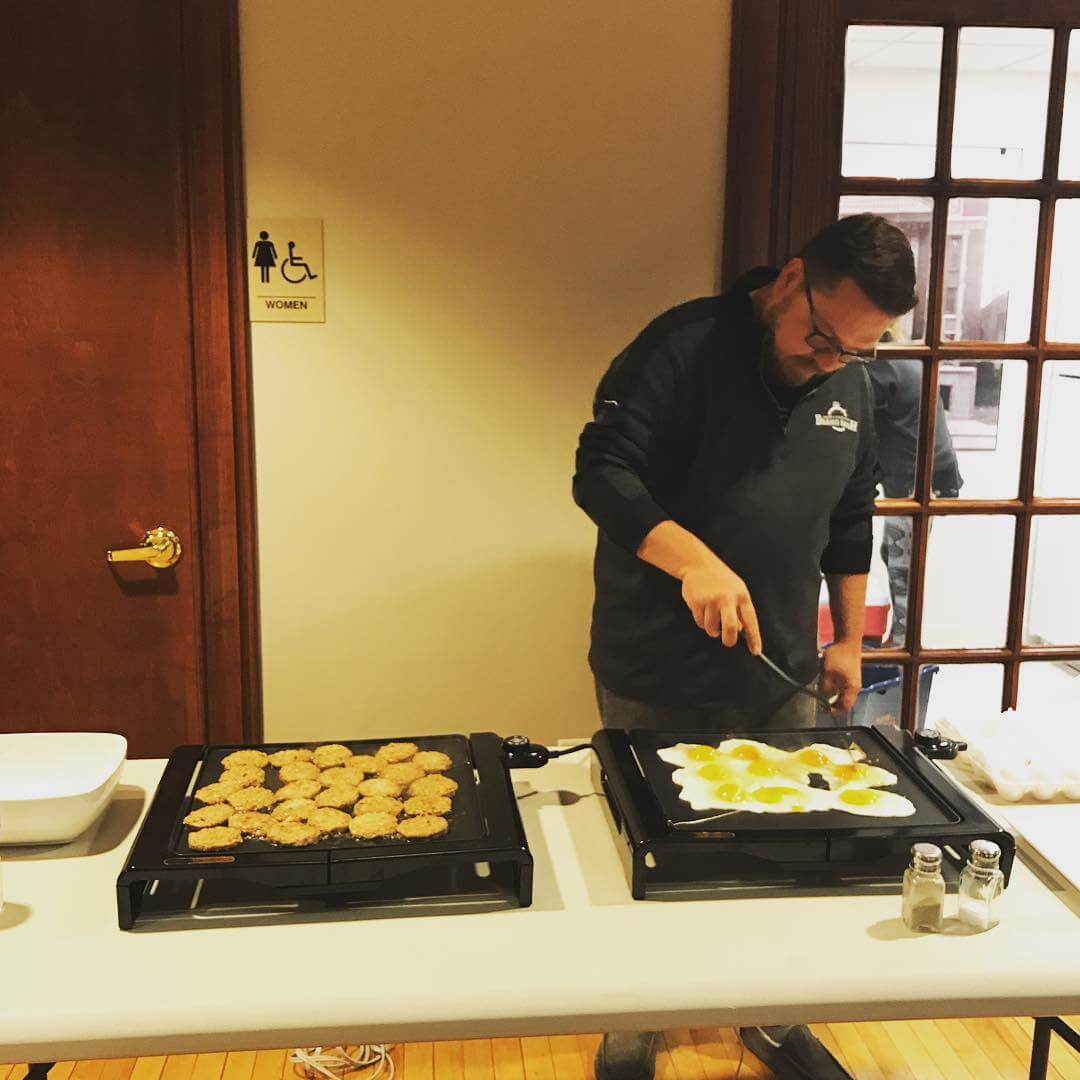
[295, 260]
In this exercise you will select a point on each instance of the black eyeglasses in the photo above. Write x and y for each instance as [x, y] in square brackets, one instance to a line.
[820, 342]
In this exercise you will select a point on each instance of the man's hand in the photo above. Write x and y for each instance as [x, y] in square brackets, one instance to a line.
[720, 603]
[716, 596]
[841, 673]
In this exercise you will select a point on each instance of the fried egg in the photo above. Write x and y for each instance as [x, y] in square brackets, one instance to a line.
[818, 754]
[683, 754]
[857, 775]
[784, 798]
[718, 771]
[870, 802]
[748, 775]
[749, 793]
[812, 758]
[750, 750]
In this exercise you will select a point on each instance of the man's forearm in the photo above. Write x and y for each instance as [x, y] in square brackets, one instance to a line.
[675, 550]
[847, 602]
[717, 597]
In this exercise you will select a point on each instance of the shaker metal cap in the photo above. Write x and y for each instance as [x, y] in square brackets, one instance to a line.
[984, 852]
[926, 853]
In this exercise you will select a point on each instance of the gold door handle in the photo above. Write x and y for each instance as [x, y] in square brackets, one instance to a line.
[160, 548]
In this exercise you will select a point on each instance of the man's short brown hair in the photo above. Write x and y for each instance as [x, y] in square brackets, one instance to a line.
[871, 251]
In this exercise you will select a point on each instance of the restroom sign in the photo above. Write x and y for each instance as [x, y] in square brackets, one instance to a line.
[285, 270]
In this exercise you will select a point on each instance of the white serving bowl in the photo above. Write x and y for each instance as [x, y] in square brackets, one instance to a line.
[54, 784]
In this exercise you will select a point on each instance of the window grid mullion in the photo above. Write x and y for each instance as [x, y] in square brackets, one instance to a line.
[927, 414]
[942, 188]
[1055, 109]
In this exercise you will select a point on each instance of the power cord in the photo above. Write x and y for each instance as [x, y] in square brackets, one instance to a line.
[333, 1062]
[570, 750]
[742, 1054]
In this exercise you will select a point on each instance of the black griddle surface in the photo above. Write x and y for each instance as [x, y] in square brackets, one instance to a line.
[930, 809]
[465, 819]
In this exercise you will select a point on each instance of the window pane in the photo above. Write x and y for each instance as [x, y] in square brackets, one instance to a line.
[958, 691]
[1052, 615]
[1069, 160]
[968, 568]
[990, 261]
[1057, 475]
[887, 588]
[891, 81]
[1044, 683]
[914, 218]
[897, 388]
[1062, 311]
[1003, 79]
[977, 450]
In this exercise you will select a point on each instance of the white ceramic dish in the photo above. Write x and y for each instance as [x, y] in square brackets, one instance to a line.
[53, 785]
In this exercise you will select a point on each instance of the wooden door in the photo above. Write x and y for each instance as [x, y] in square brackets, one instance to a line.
[124, 366]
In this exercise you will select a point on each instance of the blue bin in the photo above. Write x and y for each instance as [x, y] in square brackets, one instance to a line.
[879, 699]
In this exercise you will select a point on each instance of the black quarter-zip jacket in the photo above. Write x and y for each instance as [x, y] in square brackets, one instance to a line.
[685, 427]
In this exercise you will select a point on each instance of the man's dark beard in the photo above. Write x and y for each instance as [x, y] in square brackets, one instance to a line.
[770, 362]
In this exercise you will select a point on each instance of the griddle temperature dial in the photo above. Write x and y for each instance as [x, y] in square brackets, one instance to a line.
[934, 745]
[522, 754]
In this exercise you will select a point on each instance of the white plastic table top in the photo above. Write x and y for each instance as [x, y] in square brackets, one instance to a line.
[585, 957]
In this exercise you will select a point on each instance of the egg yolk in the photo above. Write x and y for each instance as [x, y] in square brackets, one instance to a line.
[701, 753]
[746, 753]
[860, 796]
[773, 794]
[812, 757]
[729, 792]
[715, 771]
[849, 772]
[761, 768]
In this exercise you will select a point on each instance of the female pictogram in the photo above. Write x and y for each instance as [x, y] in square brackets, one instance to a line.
[265, 255]
[295, 260]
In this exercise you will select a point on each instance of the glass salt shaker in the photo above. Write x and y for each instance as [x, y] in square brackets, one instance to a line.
[923, 904]
[981, 883]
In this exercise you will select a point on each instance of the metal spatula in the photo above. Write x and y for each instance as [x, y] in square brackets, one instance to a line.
[829, 701]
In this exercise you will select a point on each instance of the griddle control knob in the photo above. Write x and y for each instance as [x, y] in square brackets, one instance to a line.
[934, 745]
[522, 754]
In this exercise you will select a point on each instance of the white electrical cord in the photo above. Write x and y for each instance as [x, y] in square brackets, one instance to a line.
[333, 1062]
[742, 1054]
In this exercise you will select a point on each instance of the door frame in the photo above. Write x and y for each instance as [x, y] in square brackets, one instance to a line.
[224, 484]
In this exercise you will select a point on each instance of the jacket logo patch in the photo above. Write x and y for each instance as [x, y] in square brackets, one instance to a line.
[836, 418]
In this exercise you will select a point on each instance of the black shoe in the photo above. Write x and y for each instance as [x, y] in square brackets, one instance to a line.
[799, 1057]
[626, 1055]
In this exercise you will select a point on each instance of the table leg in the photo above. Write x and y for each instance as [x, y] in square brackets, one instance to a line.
[1040, 1048]
[1045, 1026]
[1067, 1032]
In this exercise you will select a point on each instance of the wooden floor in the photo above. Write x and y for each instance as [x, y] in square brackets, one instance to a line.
[915, 1050]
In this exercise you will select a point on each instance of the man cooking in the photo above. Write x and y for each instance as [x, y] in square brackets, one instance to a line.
[729, 463]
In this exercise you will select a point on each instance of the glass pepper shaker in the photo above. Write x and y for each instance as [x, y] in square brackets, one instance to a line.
[981, 883]
[923, 904]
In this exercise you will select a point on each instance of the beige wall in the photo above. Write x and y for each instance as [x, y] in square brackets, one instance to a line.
[509, 191]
